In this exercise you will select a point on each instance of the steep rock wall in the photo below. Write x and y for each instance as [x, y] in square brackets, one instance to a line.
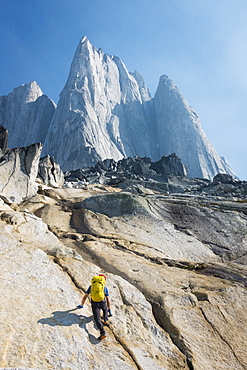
[26, 113]
[19, 168]
[107, 112]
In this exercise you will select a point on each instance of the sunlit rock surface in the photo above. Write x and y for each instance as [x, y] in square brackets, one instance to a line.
[179, 131]
[176, 271]
[18, 171]
[107, 112]
[26, 113]
[50, 172]
[101, 109]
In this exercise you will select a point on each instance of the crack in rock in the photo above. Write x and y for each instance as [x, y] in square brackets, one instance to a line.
[13, 169]
[116, 336]
[221, 337]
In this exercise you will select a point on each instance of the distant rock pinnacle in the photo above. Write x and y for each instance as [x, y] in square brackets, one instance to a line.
[105, 111]
[26, 113]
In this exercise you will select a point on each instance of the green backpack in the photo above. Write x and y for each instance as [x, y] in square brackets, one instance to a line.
[97, 288]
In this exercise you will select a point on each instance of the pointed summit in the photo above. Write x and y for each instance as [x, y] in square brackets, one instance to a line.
[179, 131]
[26, 113]
[98, 111]
[27, 93]
[105, 111]
[80, 61]
[84, 43]
[84, 39]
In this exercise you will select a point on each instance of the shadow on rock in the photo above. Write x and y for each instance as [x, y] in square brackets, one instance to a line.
[67, 318]
[64, 318]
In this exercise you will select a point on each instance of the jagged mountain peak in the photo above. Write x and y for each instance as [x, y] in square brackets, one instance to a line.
[26, 113]
[86, 51]
[84, 43]
[27, 93]
[84, 39]
[105, 111]
[167, 83]
[167, 87]
[103, 100]
[93, 68]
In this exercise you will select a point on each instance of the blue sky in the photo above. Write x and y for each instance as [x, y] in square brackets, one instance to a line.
[200, 44]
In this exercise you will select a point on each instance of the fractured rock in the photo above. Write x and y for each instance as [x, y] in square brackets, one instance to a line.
[52, 333]
[102, 102]
[175, 304]
[26, 113]
[199, 312]
[3, 138]
[169, 165]
[50, 172]
[134, 218]
[223, 178]
[19, 168]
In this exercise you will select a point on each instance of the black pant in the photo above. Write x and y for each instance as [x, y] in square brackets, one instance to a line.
[96, 307]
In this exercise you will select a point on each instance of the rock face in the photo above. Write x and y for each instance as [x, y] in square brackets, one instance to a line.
[107, 106]
[26, 113]
[169, 165]
[107, 112]
[50, 172]
[176, 273]
[111, 172]
[19, 168]
[173, 227]
[141, 176]
[179, 131]
[3, 138]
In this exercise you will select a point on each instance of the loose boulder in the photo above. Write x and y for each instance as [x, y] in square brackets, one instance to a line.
[224, 178]
[169, 165]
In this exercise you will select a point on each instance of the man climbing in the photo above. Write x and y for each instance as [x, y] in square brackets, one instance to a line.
[100, 301]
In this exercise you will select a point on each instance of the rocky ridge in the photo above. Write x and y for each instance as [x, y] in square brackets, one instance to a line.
[168, 175]
[175, 262]
[105, 111]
